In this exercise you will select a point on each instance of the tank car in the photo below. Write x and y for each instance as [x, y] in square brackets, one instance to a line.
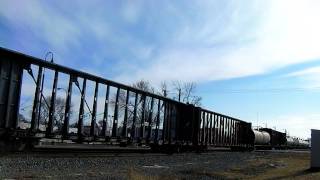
[261, 139]
[266, 138]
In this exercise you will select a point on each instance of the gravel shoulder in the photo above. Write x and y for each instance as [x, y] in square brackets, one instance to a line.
[211, 165]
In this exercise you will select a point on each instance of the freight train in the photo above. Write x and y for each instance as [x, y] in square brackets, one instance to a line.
[266, 138]
[129, 116]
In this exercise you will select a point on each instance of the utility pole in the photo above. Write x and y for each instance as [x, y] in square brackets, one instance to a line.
[179, 94]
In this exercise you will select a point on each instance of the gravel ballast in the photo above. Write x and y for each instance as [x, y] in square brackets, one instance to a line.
[121, 166]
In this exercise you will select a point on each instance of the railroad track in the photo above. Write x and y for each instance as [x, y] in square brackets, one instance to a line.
[99, 150]
[286, 151]
[89, 149]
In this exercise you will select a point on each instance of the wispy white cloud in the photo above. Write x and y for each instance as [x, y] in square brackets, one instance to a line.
[42, 21]
[309, 77]
[206, 41]
[287, 34]
[305, 72]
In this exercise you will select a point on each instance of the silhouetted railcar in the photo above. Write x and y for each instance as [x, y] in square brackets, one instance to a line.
[126, 115]
[278, 139]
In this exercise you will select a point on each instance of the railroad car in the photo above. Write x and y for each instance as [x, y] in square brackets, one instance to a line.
[296, 143]
[261, 139]
[127, 116]
[266, 138]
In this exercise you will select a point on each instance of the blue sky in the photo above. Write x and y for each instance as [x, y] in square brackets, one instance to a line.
[257, 60]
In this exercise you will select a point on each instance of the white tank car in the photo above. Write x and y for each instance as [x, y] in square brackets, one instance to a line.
[261, 137]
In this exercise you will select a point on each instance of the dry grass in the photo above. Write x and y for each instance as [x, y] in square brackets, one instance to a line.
[282, 166]
[136, 175]
[294, 166]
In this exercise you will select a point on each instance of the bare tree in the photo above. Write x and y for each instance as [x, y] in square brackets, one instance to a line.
[186, 92]
[142, 113]
[59, 111]
[144, 86]
[164, 89]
